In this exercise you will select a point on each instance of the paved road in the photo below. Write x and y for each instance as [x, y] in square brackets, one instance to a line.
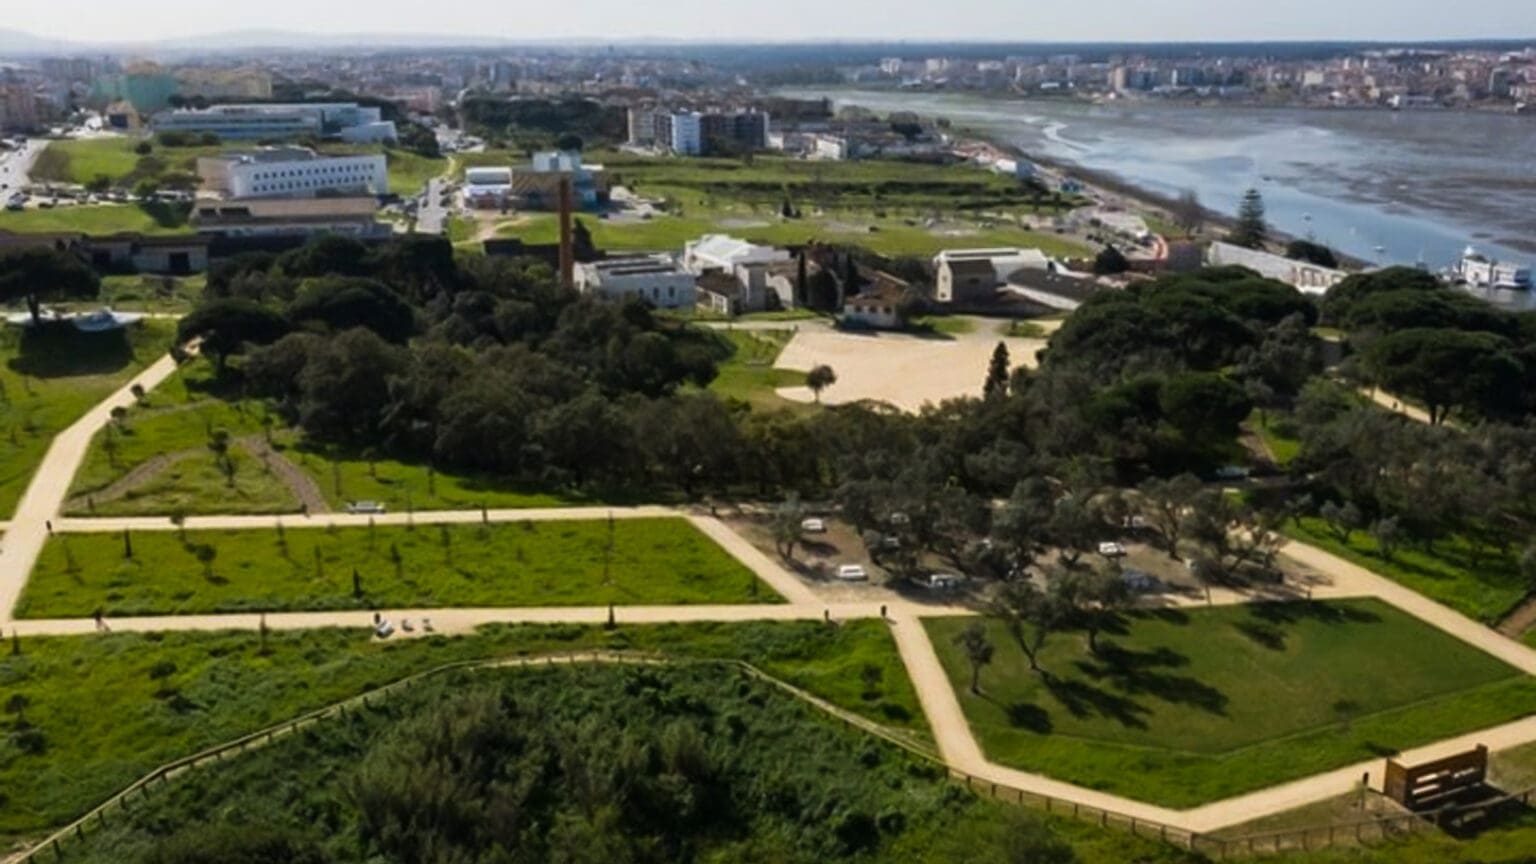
[27, 531]
[432, 217]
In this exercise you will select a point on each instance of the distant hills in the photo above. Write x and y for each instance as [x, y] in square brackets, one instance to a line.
[18, 44]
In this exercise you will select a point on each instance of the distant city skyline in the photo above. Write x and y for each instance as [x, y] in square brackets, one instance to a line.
[786, 20]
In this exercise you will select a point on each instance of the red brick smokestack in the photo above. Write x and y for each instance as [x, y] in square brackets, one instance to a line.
[567, 241]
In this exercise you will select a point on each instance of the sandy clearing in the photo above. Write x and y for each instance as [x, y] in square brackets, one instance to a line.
[905, 371]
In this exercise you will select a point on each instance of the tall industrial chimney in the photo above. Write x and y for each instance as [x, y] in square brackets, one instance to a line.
[567, 240]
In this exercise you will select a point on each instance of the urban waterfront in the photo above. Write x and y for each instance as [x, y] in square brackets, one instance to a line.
[1381, 186]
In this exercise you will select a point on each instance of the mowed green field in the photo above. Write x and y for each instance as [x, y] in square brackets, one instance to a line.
[103, 710]
[1181, 708]
[662, 561]
[47, 382]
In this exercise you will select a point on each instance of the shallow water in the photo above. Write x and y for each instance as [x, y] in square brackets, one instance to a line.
[1382, 186]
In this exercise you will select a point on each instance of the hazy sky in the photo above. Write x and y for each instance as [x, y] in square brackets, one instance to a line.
[991, 20]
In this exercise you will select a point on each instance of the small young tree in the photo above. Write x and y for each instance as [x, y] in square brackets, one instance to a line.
[1188, 214]
[206, 554]
[179, 519]
[787, 520]
[819, 379]
[1388, 535]
[17, 704]
[998, 368]
[978, 650]
[127, 544]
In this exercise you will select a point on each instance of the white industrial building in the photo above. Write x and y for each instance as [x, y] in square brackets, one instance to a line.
[1304, 276]
[346, 121]
[722, 253]
[657, 279]
[488, 188]
[293, 172]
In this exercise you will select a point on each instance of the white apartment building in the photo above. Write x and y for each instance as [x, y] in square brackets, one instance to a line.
[687, 134]
[293, 173]
[656, 279]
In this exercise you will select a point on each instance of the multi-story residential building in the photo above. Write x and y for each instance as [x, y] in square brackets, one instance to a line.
[686, 134]
[18, 107]
[293, 172]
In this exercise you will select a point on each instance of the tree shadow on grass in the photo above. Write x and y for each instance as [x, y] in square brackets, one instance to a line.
[1082, 700]
[1140, 673]
[58, 350]
[1024, 715]
[1265, 634]
[1294, 612]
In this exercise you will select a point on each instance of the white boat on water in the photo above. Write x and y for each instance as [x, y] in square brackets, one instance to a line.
[1480, 271]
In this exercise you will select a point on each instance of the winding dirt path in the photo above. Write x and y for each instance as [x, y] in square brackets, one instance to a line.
[298, 482]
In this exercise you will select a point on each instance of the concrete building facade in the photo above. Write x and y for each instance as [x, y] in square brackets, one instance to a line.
[293, 173]
[656, 279]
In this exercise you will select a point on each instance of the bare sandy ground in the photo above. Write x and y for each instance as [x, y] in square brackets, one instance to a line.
[905, 371]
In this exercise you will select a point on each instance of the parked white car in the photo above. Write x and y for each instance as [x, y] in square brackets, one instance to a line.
[814, 526]
[852, 573]
[1112, 550]
[365, 507]
[943, 582]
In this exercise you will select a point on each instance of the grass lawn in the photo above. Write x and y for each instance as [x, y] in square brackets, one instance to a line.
[111, 708]
[1484, 587]
[405, 486]
[1278, 434]
[97, 219]
[172, 428]
[945, 325]
[662, 561]
[747, 373]
[1185, 707]
[48, 380]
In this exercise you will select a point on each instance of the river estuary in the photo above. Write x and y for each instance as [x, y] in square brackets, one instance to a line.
[1381, 186]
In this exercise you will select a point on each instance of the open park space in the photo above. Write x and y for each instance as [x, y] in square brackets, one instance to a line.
[563, 563]
[904, 370]
[1185, 706]
[888, 207]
